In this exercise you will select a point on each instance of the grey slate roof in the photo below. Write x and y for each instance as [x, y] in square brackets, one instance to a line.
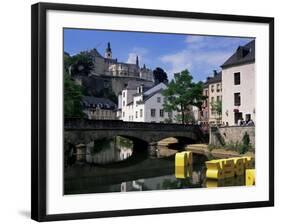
[215, 79]
[95, 53]
[132, 85]
[243, 55]
[145, 88]
[92, 101]
[147, 97]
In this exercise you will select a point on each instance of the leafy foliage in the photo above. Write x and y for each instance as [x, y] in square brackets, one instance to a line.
[245, 143]
[160, 75]
[217, 107]
[72, 97]
[182, 93]
[79, 64]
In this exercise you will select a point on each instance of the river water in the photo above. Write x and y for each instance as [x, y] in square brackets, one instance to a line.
[117, 165]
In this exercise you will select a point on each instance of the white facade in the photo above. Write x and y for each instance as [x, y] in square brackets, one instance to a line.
[145, 106]
[215, 95]
[246, 89]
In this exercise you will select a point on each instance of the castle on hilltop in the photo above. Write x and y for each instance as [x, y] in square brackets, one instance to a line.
[111, 67]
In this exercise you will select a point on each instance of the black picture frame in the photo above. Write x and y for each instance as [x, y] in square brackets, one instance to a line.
[39, 123]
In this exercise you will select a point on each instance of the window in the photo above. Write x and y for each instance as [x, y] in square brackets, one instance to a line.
[152, 112]
[218, 87]
[124, 94]
[136, 114]
[218, 98]
[237, 99]
[212, 99]
[123, 114]
[237, 78]
[161, 111]
[141, 112]
[123, 103]
[158, 99]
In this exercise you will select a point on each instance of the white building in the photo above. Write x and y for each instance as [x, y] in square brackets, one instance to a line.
[213, 92]
[144, 104]
[238, 81]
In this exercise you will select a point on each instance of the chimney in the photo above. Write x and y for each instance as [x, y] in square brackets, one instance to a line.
[141, 88]
[215, 73]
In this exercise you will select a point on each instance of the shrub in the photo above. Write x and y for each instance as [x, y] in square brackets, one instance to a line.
[245, 144]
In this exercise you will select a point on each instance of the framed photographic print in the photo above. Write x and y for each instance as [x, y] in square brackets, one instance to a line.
[139, 111]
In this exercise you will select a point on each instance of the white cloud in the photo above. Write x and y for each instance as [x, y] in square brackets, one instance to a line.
[192, 58]
[194, 39]
[201, 54]
[140, 52]
[132, 58]
[176, 62]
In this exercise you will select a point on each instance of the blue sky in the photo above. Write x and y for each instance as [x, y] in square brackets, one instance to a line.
[172, 52]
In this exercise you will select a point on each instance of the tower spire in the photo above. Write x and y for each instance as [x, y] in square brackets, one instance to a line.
[137, 60]
[108, 52]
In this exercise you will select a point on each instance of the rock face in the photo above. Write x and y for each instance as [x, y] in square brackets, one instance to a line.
[96, 85]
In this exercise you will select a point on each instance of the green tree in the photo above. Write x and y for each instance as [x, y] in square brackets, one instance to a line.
[79, 64]
[67, 60]
[217, 107]
[160, 75]
[72, 97]
[182, 93]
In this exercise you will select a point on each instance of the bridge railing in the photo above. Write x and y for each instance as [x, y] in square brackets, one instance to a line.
[86, 124]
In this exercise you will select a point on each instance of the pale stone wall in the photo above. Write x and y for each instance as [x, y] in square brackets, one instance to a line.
[232, 134]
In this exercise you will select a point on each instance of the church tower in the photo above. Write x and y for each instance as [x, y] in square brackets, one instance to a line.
[108, 52]
[137, 61]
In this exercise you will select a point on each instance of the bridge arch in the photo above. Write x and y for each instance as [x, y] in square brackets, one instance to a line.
[84, 131]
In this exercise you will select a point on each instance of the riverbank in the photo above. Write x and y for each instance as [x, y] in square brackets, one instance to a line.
[215, 153]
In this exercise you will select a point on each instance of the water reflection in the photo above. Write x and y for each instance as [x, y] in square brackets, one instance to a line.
[105, 151]
[102, 171]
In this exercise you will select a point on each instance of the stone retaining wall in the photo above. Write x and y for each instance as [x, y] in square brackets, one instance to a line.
[231, 134]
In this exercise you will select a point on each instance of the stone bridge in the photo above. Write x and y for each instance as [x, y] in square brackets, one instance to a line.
[78, 131]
